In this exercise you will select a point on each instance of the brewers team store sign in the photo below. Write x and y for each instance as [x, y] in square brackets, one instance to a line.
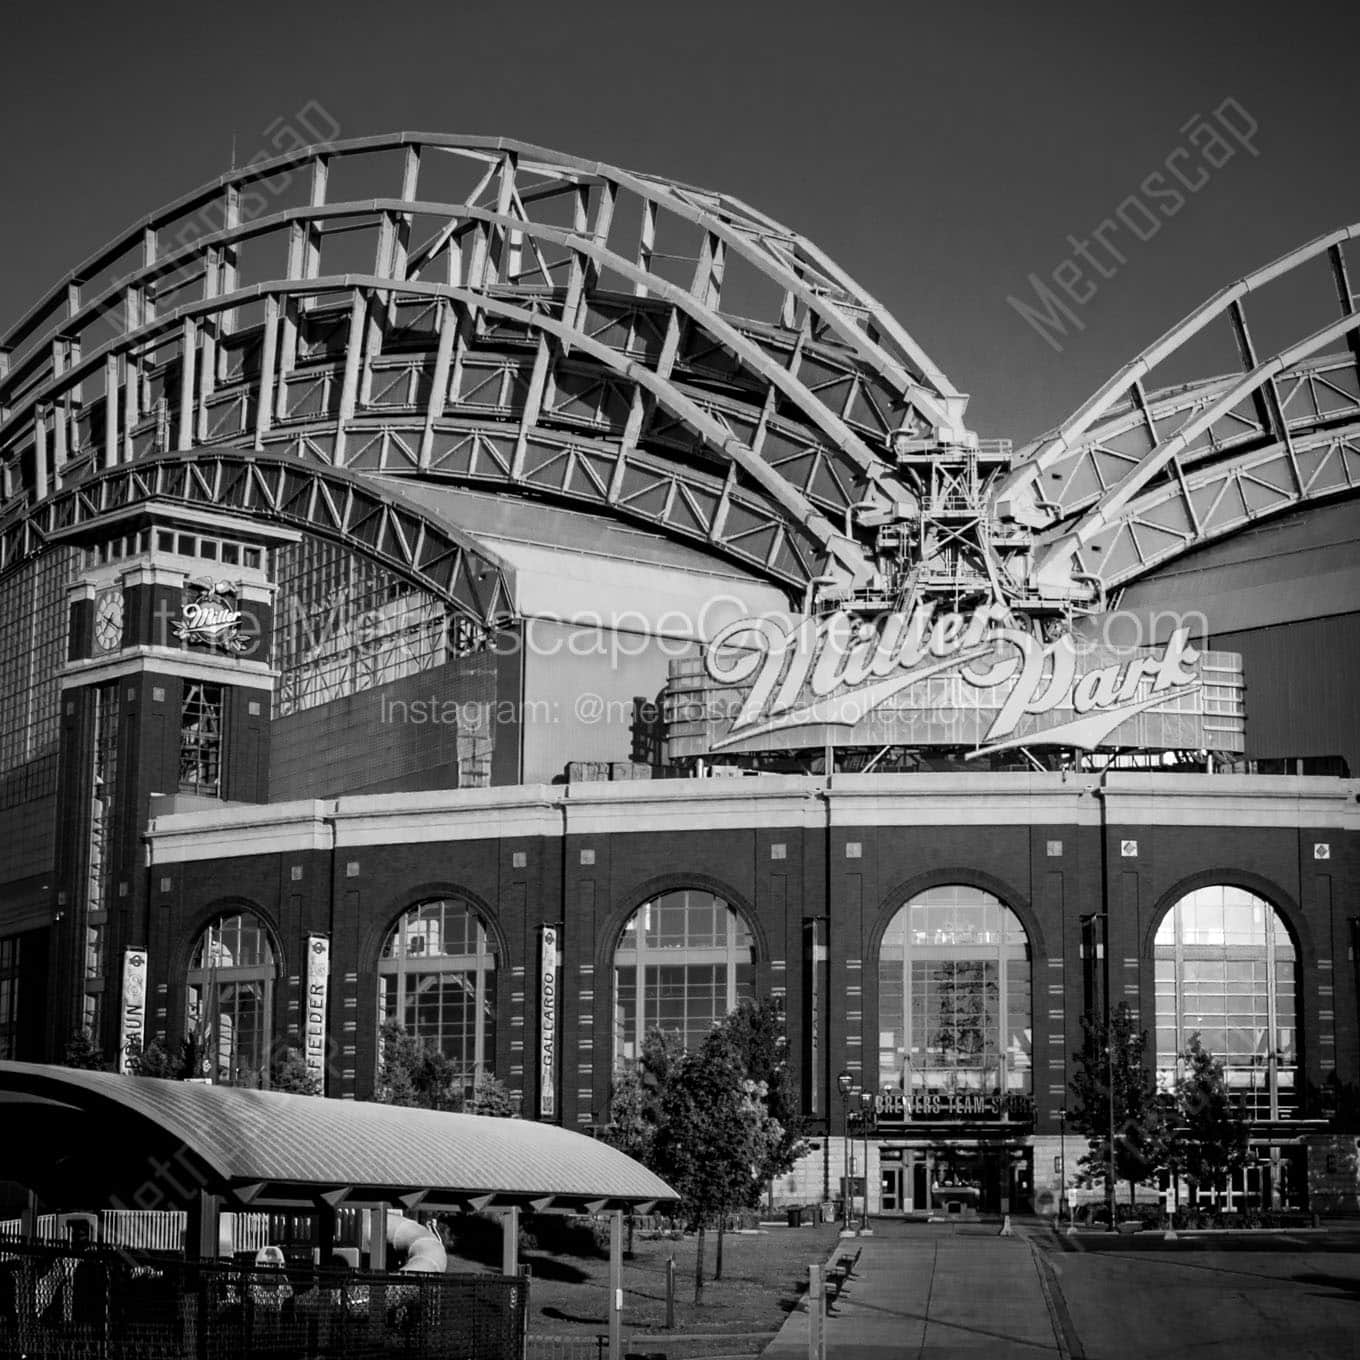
[960, 679]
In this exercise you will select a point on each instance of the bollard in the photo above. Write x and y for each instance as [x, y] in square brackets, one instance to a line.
[670, 1294]
[816, 1313]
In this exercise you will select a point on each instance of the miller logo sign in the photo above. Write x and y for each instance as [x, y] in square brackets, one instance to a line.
[835, 671]
[211, 618]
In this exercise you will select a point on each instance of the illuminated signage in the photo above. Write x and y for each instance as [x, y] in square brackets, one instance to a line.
[133, 1021]
[211, 618]
[967, 678]
[314, 1007]
[547, 1026]
[892, 1106]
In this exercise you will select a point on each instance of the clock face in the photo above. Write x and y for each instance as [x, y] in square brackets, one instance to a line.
[108, 619]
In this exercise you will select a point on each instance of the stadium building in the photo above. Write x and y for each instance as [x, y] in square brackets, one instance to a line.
[446, 581]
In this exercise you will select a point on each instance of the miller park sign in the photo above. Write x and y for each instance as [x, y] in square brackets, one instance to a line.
[961, 679]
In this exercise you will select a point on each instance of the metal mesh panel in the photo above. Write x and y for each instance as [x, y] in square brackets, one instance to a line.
[58, 1303]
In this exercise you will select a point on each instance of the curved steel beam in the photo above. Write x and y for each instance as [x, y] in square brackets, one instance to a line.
[392, 529]
[1219, 499]
[1054, 562]
[744, 232]
[1021, 495]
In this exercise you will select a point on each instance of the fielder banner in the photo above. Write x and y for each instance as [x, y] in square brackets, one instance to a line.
[132, 1025]
[547, 1026]
[314, 1007]
[926, 678]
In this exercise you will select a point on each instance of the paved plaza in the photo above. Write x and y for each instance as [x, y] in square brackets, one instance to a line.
[939, 1291]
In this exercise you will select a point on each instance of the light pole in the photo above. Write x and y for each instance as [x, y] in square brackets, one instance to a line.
[1104, 918]
[845, 1082]
[866, 1110]
[1062, 1159]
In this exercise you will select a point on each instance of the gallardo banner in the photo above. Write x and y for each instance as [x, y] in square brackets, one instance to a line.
[547, 1026]
[132, 1025]
[314, 1007]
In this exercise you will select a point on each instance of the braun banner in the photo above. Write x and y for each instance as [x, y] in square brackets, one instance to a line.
[547, 1026]
[314, 1007]
[132, 1028]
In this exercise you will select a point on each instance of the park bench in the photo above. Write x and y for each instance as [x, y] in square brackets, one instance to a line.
[841, 1271]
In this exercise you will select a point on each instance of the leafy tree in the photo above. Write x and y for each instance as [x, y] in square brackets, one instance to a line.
[415, 1073]
[292, 1075]
[707, 1136]
[1113, 1055]
[758, 1033]
[153, 1059]
[82, 1051]
[1216, 1130]
[490, 1097]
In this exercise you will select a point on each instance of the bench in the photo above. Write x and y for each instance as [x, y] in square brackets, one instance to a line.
[841, 1271]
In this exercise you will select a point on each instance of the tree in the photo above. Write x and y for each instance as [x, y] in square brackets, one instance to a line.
[414, 1072]
[153, 1059]
[1113, 1054]
[82, 1051]
[490, 1097]
[292, 1075]
[1215, 1129]
[757, 1034]
[707, 1136]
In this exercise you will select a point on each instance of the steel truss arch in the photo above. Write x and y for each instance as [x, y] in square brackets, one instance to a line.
[793, 415]
[1136, 476]
[326, 501]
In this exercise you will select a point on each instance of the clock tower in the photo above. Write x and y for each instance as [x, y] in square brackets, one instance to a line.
[165, 705]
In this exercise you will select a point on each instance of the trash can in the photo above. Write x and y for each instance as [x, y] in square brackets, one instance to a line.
[795, 1218]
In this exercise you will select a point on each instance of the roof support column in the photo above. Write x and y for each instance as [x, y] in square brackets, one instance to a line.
[616, 1285]
[377, 1237]
[510, 1241]
[200, 1230]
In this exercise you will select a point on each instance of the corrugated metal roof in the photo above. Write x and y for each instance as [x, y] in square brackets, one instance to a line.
[263, 1136]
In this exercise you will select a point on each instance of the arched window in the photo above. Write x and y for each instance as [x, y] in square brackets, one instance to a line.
[231, 1000]
[1225, 968]
[685, 959]
[437, 978]
[954, 1009]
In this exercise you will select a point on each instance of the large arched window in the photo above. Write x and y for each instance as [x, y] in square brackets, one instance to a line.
[954, 1009]
[1225, 969]
[231, 1000]
[437, 978]
[685, 960]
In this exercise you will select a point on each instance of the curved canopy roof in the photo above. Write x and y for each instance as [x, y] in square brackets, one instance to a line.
[264, 1147]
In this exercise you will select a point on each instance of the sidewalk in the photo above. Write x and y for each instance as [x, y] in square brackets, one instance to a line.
[933, 1292]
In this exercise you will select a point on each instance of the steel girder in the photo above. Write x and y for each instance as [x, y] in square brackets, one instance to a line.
[1137, 476]
[328, 501]
[557, 328]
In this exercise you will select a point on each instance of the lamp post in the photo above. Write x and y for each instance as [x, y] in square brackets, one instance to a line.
[845, 1082]
[866, 1111]
[1062, 1160]
[1104, 918]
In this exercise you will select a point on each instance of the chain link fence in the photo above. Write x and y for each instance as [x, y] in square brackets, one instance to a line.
[97, 1305]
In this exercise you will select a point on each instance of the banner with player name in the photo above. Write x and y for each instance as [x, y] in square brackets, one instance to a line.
[314, 1007]
[132, 1023]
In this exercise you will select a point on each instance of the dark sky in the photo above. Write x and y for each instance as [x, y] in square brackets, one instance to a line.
[940, 153]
